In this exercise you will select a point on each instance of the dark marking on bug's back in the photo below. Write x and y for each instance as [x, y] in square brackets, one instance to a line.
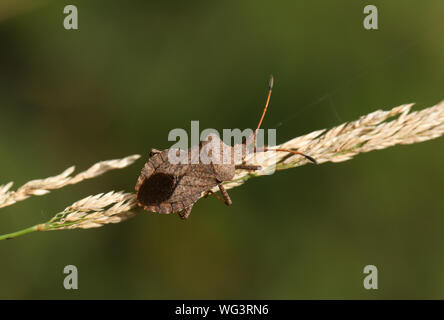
[156, 189]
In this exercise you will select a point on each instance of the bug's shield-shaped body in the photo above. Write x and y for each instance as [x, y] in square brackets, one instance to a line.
[166, 187]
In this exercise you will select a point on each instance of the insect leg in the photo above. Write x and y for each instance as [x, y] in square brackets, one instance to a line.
[225, 195]
[214, 194]
[186, 213]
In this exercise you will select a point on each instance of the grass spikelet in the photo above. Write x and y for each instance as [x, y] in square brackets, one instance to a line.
[43, 186]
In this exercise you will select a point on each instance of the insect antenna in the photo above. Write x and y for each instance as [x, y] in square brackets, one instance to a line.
[265, 149]
[293, 152]
[270, 88]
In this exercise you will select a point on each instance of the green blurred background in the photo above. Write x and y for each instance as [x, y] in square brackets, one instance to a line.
[136, 69]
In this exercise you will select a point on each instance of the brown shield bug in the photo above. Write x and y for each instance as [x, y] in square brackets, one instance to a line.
[167, 187]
